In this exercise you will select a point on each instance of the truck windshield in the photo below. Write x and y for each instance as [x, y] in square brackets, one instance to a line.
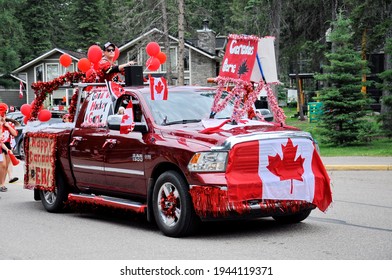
[186, 107]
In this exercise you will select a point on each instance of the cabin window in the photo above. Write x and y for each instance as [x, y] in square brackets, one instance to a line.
[52, 71]
[39, 74]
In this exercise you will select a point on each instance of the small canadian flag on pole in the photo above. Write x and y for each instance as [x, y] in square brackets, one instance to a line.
[21, 87]
[127, 122]
[158, 88]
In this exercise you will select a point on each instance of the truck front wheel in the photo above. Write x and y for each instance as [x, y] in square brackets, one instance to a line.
[172, 205]
[54, 202]
[293, 218]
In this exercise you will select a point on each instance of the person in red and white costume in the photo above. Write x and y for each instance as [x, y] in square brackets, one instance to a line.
[109, 69]
[7, 130]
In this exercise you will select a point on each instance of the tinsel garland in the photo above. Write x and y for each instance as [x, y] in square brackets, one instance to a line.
[42, 89]
[243, 37]
[72, 105]
[278, 112]
[28, 160]
[213, 201]
[241, 93]
[209, 201]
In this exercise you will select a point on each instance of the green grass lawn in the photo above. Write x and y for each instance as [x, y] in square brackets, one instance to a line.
[378, 147]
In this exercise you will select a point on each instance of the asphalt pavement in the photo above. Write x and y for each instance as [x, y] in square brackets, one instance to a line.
[358, 163]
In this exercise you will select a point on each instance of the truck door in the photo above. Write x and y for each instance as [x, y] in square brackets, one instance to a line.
[124, 157]
[88, 141]
[87, 157]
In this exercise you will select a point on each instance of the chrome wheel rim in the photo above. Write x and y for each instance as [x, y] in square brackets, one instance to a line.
[169, 204]
[50, 197]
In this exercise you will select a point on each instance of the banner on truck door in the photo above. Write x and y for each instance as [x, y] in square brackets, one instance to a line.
[40, 161]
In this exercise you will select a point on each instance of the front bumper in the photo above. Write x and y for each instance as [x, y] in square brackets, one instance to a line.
[211, 203]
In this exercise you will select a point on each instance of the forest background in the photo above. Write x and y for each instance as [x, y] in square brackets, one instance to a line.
[301, 28]
[30, 28]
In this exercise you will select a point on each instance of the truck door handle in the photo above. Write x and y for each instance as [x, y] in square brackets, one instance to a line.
[76, 140]
[110, 142]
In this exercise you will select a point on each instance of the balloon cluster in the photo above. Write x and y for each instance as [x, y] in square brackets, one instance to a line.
[156, 56]
[43, 114]
[90, 64]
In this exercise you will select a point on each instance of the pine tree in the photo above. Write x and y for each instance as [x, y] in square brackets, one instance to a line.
[38, 19]
[344, 105]
[88, 23]
[386, 76]
[11, 41]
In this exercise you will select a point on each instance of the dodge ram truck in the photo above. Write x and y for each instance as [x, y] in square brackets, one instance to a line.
[169, 160]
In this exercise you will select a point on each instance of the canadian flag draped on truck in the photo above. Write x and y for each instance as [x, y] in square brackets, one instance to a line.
[279, 169]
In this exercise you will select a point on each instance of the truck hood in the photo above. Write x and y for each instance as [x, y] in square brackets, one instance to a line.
[221, 133]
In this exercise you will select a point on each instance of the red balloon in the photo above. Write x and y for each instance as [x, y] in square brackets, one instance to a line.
[94, 53]
[25, 109]
[96, 66]
[153, 49]
[25, 119]
[153, 64]
[162, 57]
[65, 60]
[84, 64]
[44, 115]
[116, 54]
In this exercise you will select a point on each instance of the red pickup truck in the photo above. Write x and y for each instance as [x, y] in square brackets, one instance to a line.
[175, 163]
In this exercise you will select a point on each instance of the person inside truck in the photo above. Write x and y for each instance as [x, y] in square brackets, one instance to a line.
[121, 111]
[107, 65]
[7, 130]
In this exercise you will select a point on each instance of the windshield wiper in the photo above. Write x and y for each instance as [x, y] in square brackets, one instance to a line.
[181, 122]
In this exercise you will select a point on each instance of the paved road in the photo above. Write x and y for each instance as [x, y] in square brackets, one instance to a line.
[357, 226]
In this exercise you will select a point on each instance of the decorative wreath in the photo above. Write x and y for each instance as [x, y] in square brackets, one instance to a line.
[42, 89]
[242, 92]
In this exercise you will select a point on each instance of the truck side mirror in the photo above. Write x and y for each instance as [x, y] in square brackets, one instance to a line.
[114, 122]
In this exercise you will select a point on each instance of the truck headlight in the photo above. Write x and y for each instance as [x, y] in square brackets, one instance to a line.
[208, 162]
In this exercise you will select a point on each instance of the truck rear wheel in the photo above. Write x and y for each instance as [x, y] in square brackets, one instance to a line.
[172, 205]
[54, 202]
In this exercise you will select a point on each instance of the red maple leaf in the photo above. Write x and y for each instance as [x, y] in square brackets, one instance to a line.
[124, 118]
[287, 168]
[159, 87]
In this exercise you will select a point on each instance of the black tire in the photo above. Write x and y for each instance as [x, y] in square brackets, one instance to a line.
[293, 218]
[172, 205]
[55, 201]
